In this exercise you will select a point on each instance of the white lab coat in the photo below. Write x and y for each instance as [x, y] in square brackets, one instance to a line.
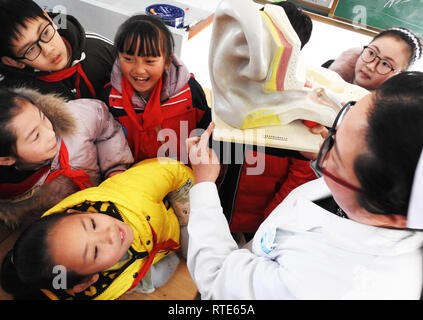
[301, 251]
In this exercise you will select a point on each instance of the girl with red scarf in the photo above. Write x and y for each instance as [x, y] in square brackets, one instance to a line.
[50, 148]
[152, 90]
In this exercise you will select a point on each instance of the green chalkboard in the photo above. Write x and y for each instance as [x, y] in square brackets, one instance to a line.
[381, 14]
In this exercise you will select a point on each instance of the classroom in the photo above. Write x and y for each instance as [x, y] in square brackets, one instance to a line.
[211, 150]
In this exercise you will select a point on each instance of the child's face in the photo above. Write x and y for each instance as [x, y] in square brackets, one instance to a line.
[143, 73]
[391, 49]
[54, 55]
[36, 140]
[89, 243]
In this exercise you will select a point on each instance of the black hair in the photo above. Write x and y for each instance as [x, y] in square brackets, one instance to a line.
[28, 267]
[154, 37]
[15, 14]
[395, 140]
[10, 106]
[300, 21]
[406, 35]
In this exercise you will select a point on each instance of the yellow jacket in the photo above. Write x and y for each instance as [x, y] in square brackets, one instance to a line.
[136, 197]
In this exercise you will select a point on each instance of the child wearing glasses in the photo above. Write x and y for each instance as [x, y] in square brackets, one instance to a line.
[307, 250]
[391, 51]
[62, 58]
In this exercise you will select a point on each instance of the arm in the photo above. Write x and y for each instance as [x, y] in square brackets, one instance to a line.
[219, 268]
[299, 172]
[113, 151]
[154, 178]
[32, 207]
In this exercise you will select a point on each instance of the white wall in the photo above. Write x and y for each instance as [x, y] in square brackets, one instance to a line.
[326, 42]
[105, 16]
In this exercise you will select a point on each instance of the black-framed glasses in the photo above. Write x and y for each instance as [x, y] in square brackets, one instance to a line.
[383, 66]
[327, 144]
[35, 49]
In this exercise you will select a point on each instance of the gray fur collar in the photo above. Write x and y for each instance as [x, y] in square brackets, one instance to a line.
[53, 107]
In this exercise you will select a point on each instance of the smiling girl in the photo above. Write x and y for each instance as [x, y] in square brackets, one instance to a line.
[153, 90]
[106, 237]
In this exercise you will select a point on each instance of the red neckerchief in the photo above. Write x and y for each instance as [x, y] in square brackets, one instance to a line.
[11, 190]
[152, 116]
[79, 177]
[168, 245]
[66, 73]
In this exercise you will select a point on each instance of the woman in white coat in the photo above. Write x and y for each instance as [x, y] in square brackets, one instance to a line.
[342, 236]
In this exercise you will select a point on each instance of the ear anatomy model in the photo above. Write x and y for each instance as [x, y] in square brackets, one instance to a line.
[258, 75]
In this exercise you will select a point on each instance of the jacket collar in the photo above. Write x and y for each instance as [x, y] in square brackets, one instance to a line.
[53, 106]
[305, 215]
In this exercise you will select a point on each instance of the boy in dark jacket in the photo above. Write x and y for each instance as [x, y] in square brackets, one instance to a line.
[51, 52]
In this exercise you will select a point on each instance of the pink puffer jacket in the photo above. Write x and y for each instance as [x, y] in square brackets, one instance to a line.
[95, 142]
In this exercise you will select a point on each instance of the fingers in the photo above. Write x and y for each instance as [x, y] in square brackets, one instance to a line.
[190, 142]
[204, 141]
[317, 129]
[320, 130]
[198, 148]
[309, 155]
[197, 144]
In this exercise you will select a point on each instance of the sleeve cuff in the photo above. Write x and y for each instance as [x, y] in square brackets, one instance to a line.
[204, 194]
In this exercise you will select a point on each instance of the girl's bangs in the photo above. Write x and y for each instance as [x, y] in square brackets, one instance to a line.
[146, 45]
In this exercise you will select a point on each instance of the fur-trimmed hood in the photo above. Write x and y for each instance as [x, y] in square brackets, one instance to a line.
[94, 141]
[52, 105]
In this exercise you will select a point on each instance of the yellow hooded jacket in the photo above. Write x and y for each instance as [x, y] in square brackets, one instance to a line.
[135, 197]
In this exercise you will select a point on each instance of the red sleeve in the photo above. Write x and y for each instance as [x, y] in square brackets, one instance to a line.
[299, 172]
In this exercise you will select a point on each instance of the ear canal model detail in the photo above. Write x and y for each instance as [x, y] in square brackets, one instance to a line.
[258, 75]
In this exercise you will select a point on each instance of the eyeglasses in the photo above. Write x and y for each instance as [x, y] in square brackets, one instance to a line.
[34, 50]
[328, 143]
[383, 66]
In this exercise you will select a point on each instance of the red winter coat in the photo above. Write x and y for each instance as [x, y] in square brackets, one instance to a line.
[257, 195]
[183, 108]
